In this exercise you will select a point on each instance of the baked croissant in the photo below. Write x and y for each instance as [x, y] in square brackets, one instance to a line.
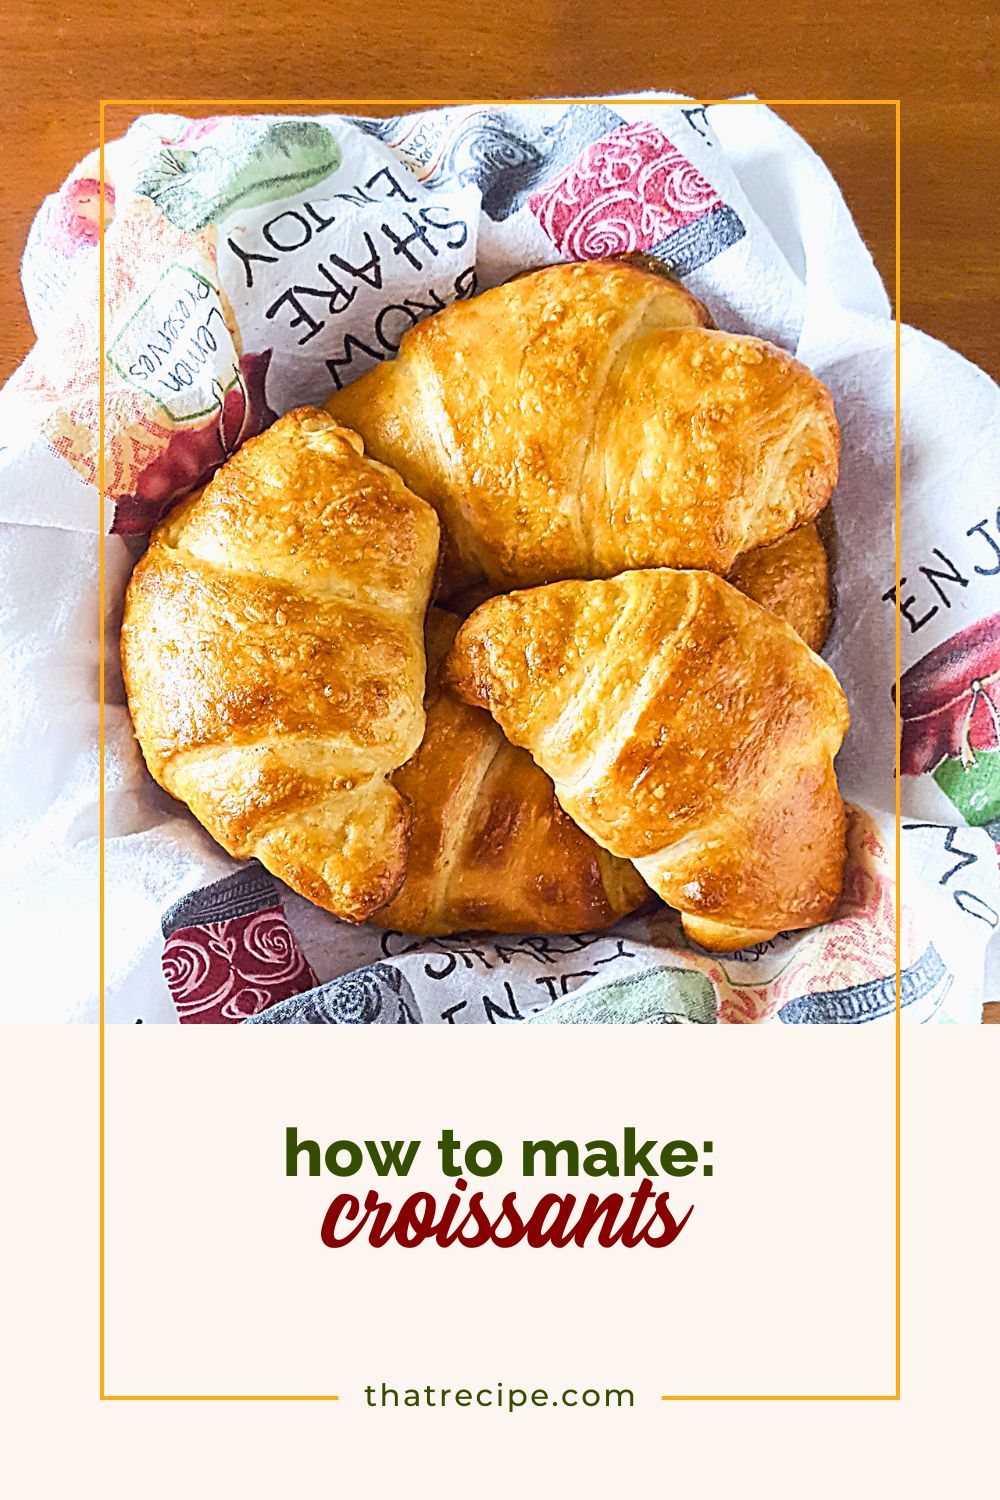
[273, 657]
[791, 578]
[491, 849]
[580, 420]
[685, 728]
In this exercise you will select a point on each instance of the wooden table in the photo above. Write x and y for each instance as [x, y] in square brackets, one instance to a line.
[941, 60]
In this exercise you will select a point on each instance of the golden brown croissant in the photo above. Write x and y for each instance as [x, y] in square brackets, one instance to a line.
[491, 849]
[580, 420]
[685, 728]
[273, 656]
[791, 578]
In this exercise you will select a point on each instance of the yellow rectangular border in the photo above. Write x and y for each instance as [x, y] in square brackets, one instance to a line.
[336, 105]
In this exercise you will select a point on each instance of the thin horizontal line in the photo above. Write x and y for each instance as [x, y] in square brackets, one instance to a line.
[105, 1397]
[781, 1398]
[591, 99]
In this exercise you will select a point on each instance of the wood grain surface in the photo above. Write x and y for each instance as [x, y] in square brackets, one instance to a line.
[940, 60]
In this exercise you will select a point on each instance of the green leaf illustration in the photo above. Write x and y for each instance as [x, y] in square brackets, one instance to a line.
[975, 790]
[658, 996]
[240, 166]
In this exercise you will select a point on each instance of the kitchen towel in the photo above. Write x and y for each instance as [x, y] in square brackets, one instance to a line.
[254, 263]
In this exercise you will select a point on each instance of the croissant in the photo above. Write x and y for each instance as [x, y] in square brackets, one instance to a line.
[581, 420]
[685, 728]
[273, 657]
[791, 578]
[491, 849]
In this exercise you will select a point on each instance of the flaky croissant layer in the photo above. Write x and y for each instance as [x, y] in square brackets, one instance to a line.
[491, 849]
[685, 728]
[582, 420]
[273, 657]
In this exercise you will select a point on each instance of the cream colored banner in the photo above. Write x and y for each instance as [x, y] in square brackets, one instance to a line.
[782, 1281]
[209, 1242]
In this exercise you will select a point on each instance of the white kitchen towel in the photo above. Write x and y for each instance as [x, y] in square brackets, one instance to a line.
[256, 262]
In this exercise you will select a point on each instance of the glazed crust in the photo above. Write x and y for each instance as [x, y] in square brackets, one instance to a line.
[273, 657]
[791, 578]
[685, 728]
[582, 420]
[491, 849]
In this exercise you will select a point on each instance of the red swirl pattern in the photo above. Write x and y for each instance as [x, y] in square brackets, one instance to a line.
[226, 971]
[622, 194]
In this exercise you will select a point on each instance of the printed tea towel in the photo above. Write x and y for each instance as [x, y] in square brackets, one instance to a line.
[253, 263]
